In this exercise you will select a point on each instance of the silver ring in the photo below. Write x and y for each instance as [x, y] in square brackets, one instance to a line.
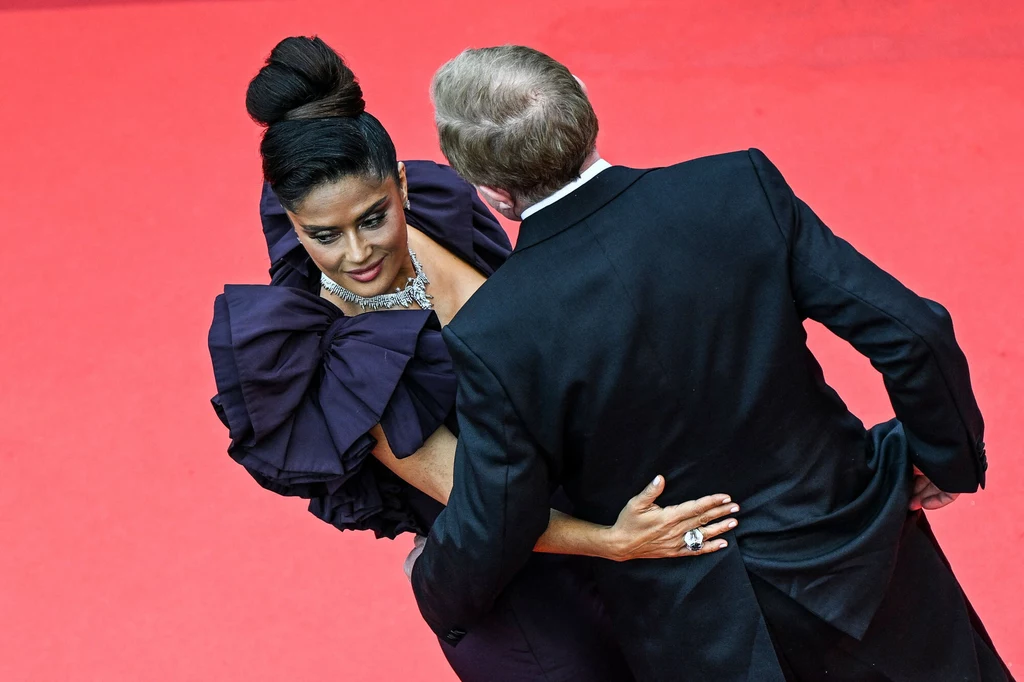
[694, 540]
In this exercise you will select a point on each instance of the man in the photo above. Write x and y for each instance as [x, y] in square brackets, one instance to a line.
[651, 321]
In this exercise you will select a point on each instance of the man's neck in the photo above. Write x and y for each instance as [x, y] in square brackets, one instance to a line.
[591, 159]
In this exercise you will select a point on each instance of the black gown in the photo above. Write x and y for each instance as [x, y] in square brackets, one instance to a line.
[300, 385]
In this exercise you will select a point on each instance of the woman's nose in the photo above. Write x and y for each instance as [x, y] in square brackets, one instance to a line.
[359, 250]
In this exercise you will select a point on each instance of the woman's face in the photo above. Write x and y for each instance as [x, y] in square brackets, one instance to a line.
[354, 230]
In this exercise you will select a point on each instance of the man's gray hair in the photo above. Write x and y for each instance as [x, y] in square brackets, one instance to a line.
[514, 119]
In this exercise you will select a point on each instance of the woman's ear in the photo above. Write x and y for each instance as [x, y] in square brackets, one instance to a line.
[403, 184]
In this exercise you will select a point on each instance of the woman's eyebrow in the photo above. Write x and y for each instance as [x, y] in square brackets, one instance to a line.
[360, 218]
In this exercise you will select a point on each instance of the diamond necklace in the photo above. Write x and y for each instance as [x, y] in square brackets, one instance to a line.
[415, 291]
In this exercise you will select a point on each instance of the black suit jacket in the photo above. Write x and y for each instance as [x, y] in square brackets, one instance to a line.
[651, 322]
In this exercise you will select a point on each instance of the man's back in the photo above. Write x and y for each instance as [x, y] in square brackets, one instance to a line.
[651, 322]
[660, 334]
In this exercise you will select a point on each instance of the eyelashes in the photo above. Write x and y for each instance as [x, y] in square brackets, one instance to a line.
[325, 237]
[330, 236]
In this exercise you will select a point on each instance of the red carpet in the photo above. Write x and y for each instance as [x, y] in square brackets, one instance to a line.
[132, 548]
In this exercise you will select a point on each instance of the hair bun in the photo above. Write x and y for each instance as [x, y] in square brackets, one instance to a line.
[303, 78]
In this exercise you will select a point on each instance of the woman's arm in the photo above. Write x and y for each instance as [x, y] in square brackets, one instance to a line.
[643, 530]
[430, 469]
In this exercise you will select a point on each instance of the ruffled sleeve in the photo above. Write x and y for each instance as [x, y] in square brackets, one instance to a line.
[300, 386]
[448, 209]
[290, 265]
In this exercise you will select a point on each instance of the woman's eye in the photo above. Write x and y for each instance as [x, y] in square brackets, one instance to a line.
[325, 237]
[373, 221]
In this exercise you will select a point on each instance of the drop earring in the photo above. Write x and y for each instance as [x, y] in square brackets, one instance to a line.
[407, 204]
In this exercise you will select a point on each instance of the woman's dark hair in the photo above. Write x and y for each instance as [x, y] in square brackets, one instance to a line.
[318, 130]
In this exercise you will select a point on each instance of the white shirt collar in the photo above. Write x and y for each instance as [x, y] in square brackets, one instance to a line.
[585, 177]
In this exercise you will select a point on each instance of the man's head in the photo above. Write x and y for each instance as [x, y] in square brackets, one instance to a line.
[514, 122]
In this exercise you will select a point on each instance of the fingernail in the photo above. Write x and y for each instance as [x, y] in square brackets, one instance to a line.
[723, 544]
[732, 524]
[656, 480]
[726, 500]
[734, 510]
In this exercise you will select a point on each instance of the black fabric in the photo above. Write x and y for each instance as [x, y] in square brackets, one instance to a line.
[549, 625]
[652, 322]
[904, 642]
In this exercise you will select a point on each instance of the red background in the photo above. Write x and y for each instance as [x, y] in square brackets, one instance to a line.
[132, 548]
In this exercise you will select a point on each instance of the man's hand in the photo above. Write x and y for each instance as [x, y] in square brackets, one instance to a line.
[927, 495]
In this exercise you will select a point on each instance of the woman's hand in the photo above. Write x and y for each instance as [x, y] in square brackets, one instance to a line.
[646, 531]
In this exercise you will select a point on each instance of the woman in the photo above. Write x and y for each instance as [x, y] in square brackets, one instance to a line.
[336, 386]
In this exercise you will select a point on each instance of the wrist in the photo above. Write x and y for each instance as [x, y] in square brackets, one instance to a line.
[612, 544]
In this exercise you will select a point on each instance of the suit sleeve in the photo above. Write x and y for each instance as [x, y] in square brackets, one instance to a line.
[496, 512]
[907, 338]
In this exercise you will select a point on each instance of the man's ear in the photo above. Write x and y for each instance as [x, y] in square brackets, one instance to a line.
[501, 201]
